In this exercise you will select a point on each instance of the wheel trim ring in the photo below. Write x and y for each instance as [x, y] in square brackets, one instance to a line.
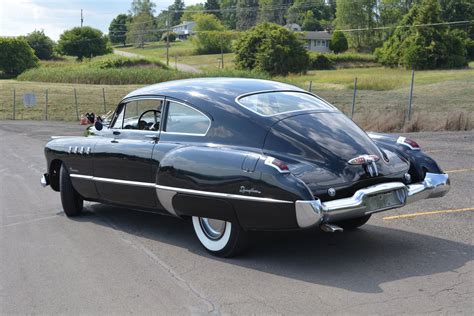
[209, 244]
[212, 232]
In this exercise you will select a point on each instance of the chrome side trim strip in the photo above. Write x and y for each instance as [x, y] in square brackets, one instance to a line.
[180, 190]
[222, 195]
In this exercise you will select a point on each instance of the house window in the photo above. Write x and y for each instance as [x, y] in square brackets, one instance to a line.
[318, 43]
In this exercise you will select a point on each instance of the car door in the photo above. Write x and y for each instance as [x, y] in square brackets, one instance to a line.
[123, 169]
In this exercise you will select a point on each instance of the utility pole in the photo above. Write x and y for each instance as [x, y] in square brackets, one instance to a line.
[82, 18]
[168, 39]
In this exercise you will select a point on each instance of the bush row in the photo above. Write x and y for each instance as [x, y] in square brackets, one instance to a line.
[119, 76]
[114, 61]
[320, 61]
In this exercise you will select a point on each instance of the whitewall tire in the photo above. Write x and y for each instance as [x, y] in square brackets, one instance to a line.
[219, 238]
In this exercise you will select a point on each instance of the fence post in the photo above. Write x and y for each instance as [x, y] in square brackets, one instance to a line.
[354, 98]
[103, 97]
[175, 62]
[411, 93]
[310, 85]
[75, 99]
[46, 105]
[14, 103]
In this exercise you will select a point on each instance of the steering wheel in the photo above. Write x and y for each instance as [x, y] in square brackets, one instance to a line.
[154, 126]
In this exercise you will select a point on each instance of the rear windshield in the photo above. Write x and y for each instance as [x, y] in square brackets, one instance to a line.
[276, 102]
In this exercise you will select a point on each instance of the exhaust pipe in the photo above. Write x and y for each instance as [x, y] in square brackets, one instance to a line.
[330, 228]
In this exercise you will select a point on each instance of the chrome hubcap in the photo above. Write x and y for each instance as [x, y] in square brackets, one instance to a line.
[213, 228]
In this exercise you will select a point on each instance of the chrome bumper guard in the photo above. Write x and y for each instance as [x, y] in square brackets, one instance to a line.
[44, 180]
[370, 200]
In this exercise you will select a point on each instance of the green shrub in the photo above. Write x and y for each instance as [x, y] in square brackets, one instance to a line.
[320, 62]
[213, 42]
[470, 49]
[424, 47]
[16, 56]
[41, 44]
[338, 43]
[83, 42]
[171, 37]
[271, 48]
[121, 62]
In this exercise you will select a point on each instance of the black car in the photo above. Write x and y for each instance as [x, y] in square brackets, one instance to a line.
[238, 155]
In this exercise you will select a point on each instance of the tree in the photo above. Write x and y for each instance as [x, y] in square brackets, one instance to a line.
[355, 15]
[190, 11]
[424, 47]
[142, 6]
[141, 29]
[175, 11]
[211, 37]
[83, 42]
[214, 7]
[338, 43]
[228, 17]
[118, 29]
[16, 56]
[272, 11]
[320, 9]
[41, 44]
[271, 48]
[246, 14]
[310, 23]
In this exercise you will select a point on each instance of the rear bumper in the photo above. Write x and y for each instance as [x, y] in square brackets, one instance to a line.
[370, 200]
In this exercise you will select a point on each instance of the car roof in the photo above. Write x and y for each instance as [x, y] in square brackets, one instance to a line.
[209, 89]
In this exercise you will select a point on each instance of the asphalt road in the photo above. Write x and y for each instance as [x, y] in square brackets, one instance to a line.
[115, 260]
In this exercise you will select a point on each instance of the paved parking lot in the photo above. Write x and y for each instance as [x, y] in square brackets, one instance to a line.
[418, 259]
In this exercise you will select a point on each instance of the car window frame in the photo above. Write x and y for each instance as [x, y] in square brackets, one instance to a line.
[124, 102]
[165, 117]
[237, 100]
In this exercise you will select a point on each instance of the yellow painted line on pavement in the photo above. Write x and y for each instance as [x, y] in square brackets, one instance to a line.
[467, 209]
[433, 151]
[460, 170]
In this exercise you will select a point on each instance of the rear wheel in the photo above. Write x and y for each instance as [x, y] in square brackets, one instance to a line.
[71, 200]
[220, 238]
[352, 223]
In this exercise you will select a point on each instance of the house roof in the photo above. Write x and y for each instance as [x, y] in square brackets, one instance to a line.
[185, 23]
[320, 35]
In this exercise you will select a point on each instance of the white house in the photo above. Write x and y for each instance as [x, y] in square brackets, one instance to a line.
[184, 29]
[317, 41]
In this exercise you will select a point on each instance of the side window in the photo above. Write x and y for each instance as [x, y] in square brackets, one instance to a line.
[141, 115]
[118, 122]
[184, 119]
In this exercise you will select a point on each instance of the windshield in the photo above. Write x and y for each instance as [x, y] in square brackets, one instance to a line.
[276, 102]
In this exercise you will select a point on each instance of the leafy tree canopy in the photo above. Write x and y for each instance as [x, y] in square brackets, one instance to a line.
[175, 11]
[41, 44]
[207, 22]
[213, 6]
[16, 56]
[190, 11]
[271, 48]
[142, 6]
[118, 29]
[338, 43]
[83, 42]
[141, 29]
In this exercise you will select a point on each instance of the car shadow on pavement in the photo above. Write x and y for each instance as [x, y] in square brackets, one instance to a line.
[359, 260]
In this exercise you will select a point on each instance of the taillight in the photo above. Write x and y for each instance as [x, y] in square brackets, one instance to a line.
[277, 164]
[410, 143]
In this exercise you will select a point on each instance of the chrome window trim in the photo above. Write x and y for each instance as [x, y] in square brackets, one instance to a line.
[237, 100]
[191, 107]
[180, 190]
[131, 99]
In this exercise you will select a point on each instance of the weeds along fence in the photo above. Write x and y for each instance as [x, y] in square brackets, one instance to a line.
[57, 103]
[448, 105]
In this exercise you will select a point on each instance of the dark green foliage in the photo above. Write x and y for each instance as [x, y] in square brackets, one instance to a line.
[115, 61]
[338, 43]
[273, 11]
[424, 47]
[41, 44]
[118, 29]
[141, 30]
[213, 5]
[246, 18]
[320, 62]
[175, 11]
[83, 42]
[16, 56]
[470, 49]
[271, 48]
[169, 36]
[228, 17]
[310, 23]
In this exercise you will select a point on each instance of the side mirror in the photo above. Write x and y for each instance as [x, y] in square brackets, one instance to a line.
[98, 125]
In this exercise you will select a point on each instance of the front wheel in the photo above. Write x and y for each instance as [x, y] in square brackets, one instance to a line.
[71, 200]
[353, 223]
[220, 238]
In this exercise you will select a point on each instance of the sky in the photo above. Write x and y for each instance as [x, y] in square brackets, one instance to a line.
[20, 17]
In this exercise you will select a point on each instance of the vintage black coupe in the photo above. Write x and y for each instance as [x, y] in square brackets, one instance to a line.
[237, 155]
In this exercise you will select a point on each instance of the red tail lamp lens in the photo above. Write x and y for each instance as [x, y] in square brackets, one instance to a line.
[410, 143]
[277, 164]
